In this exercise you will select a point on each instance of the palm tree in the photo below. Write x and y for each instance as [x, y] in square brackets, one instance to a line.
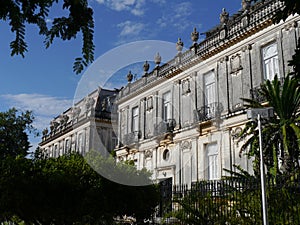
[281, 134]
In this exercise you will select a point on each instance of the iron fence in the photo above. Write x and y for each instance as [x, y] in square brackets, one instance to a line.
[233, 201]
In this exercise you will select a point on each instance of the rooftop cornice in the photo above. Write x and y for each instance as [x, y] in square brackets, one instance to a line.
[239, 26]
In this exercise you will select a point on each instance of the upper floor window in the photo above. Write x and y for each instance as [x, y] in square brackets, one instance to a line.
[135, 119]
[270, 61]
[55, 151]
[80, 143]
[209, 92]
[67, 145]
[166, 112]
[212, 161]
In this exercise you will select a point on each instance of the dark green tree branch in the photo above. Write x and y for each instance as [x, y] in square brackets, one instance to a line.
[19, 13]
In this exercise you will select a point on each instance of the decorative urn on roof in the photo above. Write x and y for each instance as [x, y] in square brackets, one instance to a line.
[179, 45]
[224, 16]
[246, 5]
[129, 77]
[146, 67]
[195, 35]
[157, 59]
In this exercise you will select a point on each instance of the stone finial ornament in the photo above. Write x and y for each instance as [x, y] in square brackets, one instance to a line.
[179, 45]
[89, 103]
[195, 35]
[129, 77]
[246, 5]
[45, 132]
[146, 67]
[157, 59]
[75, 112]
[224, 16]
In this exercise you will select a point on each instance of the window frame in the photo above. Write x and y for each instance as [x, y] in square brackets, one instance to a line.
[273, 60]
[135, 119]
[213, 160]
[166, 106]
[209, 83]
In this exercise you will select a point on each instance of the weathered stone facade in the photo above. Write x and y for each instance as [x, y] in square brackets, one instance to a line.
[181, 120]
[87, 125]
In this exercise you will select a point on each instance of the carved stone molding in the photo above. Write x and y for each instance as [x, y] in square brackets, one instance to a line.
[235, 132]
[223, 34]
[89, 103]
[186, 88]
[235, 64]
[186, 145]
[290, 26]
[148, 154]
[149, 103]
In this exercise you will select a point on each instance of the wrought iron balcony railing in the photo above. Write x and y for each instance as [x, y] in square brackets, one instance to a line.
[131, 138]
[165, 127]
[208, 112]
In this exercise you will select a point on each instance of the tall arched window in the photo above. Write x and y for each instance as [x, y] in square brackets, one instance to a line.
[270, 61]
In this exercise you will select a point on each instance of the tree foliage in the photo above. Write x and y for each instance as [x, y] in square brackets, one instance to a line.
[80, 20]
[281, 134]
[14, 126]
[236, 200]
[66, 190]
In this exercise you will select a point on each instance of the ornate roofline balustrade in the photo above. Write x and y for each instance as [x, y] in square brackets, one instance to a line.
[238, 27]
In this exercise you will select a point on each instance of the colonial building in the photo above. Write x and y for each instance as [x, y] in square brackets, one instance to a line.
[181, 120]
[87, 125]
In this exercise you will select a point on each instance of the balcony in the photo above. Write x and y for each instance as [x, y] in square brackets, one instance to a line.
[131, 138]
[208, 112]
[257, 95]
[165, 127]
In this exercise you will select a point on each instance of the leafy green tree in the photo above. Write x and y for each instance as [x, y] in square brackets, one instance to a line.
[137, 200]
[80, 19]
[14, 126]
[281, 134]
[66, 190]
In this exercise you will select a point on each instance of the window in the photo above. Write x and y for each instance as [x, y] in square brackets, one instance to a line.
[210, 93]
[212, 161]
[270, 61]
[67, 145]
[135, 119]
[80, 143]
[166, 155]
[166, 106]
[55, 151]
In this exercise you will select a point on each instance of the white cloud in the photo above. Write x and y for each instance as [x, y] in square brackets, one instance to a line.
[177, 16]
[131, 31]
[130, 28]
[44, 107]
[136, 7]
[49, 20]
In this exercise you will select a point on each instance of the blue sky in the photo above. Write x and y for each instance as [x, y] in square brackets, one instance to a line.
[44, 82]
